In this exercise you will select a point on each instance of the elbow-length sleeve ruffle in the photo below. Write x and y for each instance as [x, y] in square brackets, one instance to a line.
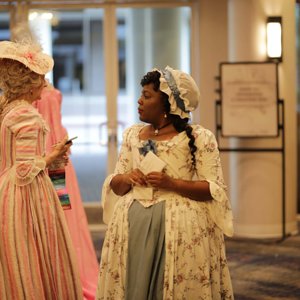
[26, 126]
[209, 168]
[124, 164]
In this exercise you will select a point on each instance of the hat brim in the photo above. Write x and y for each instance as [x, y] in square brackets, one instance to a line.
[36, 61]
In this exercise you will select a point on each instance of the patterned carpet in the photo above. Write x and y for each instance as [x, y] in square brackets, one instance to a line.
[265, 270]
[260, 270]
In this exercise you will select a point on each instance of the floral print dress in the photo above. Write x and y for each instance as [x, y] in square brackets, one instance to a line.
[195, 259]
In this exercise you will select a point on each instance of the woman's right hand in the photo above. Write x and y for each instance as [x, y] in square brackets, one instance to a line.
[123, 183]
[135, 177]
[59, 152]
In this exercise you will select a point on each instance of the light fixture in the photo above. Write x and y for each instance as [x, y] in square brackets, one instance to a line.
[41, 15]
[274, 39]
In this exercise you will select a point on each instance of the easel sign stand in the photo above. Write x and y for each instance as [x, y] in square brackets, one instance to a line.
[246, 90]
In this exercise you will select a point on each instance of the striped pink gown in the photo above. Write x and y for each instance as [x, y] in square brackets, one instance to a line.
[37, 260]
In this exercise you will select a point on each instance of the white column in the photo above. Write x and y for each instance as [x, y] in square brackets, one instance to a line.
[151, 28]
[168, 22]
[256, 189]
[18, 14]
[210, 37]
[111, 84]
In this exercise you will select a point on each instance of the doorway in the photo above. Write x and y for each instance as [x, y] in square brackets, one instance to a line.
[100, 56]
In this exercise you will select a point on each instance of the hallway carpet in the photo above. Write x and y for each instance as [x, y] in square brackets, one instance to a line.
[265, 270]
[260, 270]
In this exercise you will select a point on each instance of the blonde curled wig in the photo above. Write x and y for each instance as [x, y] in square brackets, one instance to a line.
[15, 80]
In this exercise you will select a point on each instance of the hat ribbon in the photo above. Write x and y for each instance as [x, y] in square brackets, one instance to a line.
[173, 87]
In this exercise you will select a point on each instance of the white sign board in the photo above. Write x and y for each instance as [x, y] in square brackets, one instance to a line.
[249, 95]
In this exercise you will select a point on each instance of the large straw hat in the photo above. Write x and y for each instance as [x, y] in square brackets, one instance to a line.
[30, 55]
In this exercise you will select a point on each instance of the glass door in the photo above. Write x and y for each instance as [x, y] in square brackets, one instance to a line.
[148, 38]
[77, 46]
[78, 50]
[4, 26]
[100, 56]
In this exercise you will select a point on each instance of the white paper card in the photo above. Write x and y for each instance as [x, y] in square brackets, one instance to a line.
[142, 193]
[151, 163]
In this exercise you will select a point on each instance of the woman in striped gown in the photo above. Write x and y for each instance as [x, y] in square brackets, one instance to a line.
[37, 260]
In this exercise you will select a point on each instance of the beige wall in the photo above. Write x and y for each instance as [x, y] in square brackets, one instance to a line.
[213, 49]
[231, 31]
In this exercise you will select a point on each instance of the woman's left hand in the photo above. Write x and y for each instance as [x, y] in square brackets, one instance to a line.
[159, 180]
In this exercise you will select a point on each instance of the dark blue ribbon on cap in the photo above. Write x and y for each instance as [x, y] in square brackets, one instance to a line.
[173, 87]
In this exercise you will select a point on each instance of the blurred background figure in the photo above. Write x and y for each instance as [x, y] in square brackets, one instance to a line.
[50, 108]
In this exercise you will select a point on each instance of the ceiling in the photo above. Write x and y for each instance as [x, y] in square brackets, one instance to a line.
[65, 3]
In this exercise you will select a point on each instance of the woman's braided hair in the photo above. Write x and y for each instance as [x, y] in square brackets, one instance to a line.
[178, 123]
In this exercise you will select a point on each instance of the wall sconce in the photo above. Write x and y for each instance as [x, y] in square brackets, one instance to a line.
[274, 39]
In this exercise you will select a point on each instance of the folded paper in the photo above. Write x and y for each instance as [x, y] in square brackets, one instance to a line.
[151, 163]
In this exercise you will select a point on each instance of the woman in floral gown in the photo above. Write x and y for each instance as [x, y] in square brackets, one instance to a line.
[37, 259]
[165, 234]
